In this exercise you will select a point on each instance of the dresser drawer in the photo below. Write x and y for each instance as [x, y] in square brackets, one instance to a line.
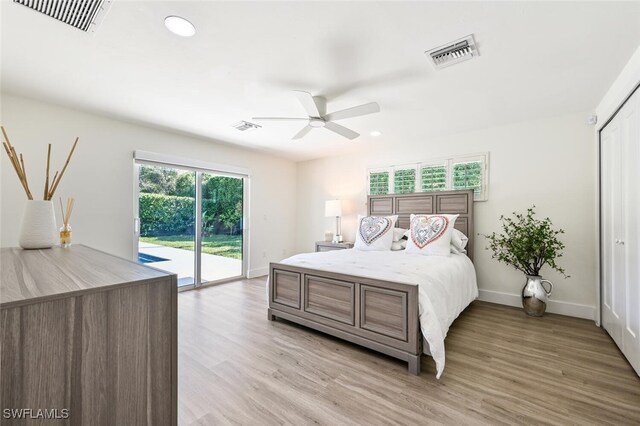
[329, 246]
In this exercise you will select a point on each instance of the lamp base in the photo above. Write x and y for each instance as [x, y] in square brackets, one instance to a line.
[337, 239]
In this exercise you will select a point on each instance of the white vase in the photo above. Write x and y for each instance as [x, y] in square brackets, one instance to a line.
[38, 229]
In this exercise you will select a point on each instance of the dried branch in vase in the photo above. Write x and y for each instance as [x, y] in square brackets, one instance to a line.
[17, 161]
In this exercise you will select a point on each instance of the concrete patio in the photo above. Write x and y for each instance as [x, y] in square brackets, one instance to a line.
[182, 262]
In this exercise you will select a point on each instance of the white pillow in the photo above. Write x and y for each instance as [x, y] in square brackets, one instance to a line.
[398, 245]
[375, 233]
[456, 251]
[458, 242]
[398, 233]
[430, 234]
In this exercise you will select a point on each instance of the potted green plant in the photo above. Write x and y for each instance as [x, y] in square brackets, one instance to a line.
[528, 244]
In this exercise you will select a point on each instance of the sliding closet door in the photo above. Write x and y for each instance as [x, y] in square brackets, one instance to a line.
[630, 131]
[620, 238]
[612, 214]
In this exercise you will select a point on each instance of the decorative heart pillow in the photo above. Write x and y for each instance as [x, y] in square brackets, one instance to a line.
[430, 234]
[375, 233]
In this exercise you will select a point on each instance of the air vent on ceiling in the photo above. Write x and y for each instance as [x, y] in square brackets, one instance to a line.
[454, 52]
[244, 126]
[84, 15]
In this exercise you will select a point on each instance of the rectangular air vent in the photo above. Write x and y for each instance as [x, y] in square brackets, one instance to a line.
[245, 126]
[81, 14]
[453, 53]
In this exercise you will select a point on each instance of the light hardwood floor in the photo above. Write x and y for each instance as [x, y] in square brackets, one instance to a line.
[503, 367]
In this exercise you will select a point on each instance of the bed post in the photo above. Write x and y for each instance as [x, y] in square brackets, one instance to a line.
[270, 315]
[414, 364]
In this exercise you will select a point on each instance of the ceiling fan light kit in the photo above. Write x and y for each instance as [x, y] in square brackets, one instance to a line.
[316, 109]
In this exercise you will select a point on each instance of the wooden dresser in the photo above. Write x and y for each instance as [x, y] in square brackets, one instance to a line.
[89, 333]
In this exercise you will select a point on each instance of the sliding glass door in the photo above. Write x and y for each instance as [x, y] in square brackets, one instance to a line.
[222, 227]
[190, 222]
[167, 215]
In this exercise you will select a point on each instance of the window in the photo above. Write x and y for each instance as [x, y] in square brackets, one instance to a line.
[378, 182]
[434, 178]
[468, 175]
[404, 181]
[455, 173]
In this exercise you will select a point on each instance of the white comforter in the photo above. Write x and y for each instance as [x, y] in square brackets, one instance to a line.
[446, 284]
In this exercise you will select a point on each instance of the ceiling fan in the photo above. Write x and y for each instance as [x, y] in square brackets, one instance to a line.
[316, 108]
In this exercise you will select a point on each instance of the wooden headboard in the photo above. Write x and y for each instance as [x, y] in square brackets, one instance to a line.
[450, 202]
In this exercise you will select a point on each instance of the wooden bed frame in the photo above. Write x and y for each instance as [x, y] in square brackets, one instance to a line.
[378, 314]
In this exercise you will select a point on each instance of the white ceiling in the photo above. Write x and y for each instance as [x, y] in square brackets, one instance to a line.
[538, 59]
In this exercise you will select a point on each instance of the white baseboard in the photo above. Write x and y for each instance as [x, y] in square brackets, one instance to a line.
[258, 272]
[553, 306]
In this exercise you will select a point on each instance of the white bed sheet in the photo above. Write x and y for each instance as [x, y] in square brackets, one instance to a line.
[446, 284]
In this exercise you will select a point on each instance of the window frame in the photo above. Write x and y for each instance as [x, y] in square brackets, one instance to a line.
[448, 163]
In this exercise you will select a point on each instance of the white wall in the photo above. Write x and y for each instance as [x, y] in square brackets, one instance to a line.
[621, 88]
[549, 163]
[100, 177]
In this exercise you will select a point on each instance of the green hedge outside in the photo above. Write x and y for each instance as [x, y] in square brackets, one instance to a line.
[166, 215]
[173, 215]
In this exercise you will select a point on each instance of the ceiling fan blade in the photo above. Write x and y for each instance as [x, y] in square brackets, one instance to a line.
[309, 105]
[356, 111]
[302, 132]
[278, 118]
[341, 130]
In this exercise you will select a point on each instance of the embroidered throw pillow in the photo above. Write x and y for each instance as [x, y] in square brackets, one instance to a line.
[375, 233]
[430, 234]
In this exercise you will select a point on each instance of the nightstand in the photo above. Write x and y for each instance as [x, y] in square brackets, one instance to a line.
[328, 246]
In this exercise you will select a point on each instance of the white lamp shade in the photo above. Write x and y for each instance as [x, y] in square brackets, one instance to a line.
[333, 208]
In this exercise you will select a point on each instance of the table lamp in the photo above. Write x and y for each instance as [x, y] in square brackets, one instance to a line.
[334, 208]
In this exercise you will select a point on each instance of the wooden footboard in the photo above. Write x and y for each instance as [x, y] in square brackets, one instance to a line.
[380, 315]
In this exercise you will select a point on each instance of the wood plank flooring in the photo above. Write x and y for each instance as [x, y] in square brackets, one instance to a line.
[502, 367]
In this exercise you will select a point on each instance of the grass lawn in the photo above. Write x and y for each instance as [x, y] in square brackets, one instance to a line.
[221, 245]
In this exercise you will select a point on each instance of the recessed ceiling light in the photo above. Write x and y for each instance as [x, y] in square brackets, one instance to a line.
[179, 26]
[376, 133]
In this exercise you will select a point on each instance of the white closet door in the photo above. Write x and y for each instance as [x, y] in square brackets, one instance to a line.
[630, 131]
[612, 266]
[620, 208]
